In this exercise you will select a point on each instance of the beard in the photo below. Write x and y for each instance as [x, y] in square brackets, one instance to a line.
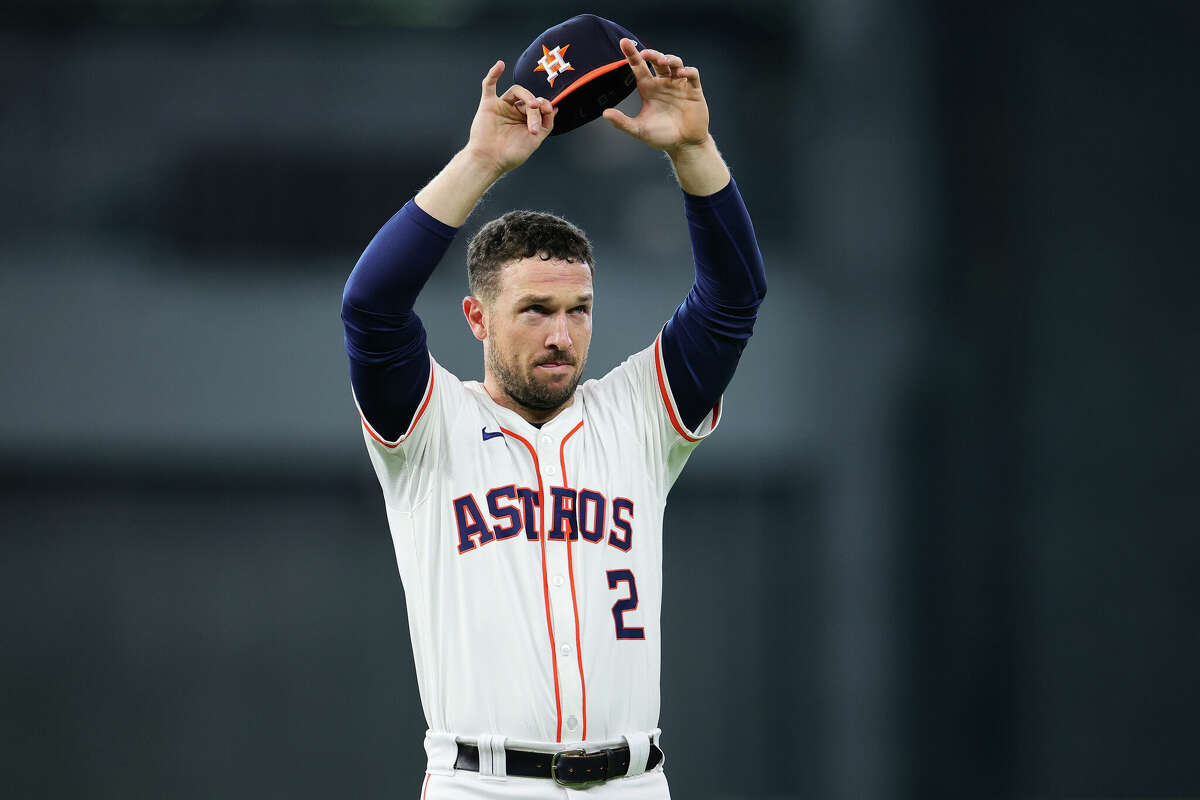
[527, 389]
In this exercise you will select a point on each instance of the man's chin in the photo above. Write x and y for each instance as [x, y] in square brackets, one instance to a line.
[543, 400]
[551, 388]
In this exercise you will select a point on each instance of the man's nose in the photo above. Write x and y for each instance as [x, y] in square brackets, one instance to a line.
[559, 336]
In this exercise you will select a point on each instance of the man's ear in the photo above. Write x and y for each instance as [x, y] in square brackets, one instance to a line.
[474, 311]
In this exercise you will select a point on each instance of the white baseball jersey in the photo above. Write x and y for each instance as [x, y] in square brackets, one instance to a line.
[532, 558]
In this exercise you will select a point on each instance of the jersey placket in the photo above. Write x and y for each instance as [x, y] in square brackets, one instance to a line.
[562, 605]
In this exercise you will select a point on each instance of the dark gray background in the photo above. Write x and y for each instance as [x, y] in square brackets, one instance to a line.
[944, 545]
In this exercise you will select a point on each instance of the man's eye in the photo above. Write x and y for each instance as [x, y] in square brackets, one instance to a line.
[580, 309]
[536, 309]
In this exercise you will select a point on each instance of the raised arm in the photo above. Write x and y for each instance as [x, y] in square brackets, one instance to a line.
[704, 339]
[504, 133]
[385, 340]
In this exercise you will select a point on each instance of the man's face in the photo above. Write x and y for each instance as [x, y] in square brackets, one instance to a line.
[538, 330]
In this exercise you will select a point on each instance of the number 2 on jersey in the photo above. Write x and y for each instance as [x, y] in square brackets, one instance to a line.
[615, 577]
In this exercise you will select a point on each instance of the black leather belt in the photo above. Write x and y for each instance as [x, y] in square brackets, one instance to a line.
[575, 768]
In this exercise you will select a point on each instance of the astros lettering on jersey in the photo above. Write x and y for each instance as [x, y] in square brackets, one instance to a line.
[532, 557]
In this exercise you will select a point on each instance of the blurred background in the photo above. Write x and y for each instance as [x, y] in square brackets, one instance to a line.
[945, 543]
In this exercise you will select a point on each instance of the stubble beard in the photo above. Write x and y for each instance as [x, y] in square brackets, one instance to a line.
[527, 390]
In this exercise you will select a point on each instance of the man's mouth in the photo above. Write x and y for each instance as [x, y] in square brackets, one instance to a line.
[557, 361]
[556, 365]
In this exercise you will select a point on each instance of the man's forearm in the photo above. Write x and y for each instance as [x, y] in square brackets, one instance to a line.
[452, 194]
[700, 169]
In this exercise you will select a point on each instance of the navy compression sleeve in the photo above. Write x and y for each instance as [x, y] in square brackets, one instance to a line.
[389, 363]
[705, 336]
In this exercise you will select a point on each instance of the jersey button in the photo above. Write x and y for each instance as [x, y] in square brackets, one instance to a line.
[572, 723]
[565, 650]
[546, 440]
[558, 580]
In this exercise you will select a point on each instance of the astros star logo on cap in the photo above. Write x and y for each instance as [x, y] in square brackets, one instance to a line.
[553, 62]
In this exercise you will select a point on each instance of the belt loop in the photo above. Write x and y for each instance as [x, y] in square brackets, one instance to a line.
[441, 750]
[639, 752]
[492, 764]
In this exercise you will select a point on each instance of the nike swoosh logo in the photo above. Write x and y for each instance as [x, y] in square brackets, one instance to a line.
[492, 435]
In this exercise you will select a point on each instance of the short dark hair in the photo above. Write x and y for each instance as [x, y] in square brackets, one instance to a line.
[518, 235]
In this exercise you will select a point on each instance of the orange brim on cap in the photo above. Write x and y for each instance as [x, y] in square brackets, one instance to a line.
[586, 77]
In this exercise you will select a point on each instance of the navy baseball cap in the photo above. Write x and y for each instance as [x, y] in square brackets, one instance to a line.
[579, 66]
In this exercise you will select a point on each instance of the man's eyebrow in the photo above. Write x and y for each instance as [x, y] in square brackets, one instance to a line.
[543, 299]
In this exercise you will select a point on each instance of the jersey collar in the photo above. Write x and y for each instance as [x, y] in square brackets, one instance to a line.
[556, 427]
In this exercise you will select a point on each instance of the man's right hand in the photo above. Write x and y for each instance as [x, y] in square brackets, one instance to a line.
[505, 132]
[507, 129]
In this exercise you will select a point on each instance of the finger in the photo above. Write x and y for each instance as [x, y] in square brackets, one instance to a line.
[520, 100]
[548, 112]
[658, 62]
[636, 63]
[665, 65]
[651, 58]
[533, 114]
[518, 97]
[692, 74]
[489, 80]
[620, 121]
[525, 103]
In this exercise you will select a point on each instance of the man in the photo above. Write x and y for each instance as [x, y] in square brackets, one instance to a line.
[526, 511]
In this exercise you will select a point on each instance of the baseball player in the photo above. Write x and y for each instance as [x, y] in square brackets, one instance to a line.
[526, 509]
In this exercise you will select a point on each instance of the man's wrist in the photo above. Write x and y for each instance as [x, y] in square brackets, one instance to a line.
[481, 164]
[699, 167]
[690, 151]
[452, 194]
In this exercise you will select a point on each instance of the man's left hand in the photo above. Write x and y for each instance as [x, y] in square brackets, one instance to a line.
[674, 114]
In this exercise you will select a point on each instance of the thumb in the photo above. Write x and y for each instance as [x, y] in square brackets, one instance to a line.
[621, 121]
